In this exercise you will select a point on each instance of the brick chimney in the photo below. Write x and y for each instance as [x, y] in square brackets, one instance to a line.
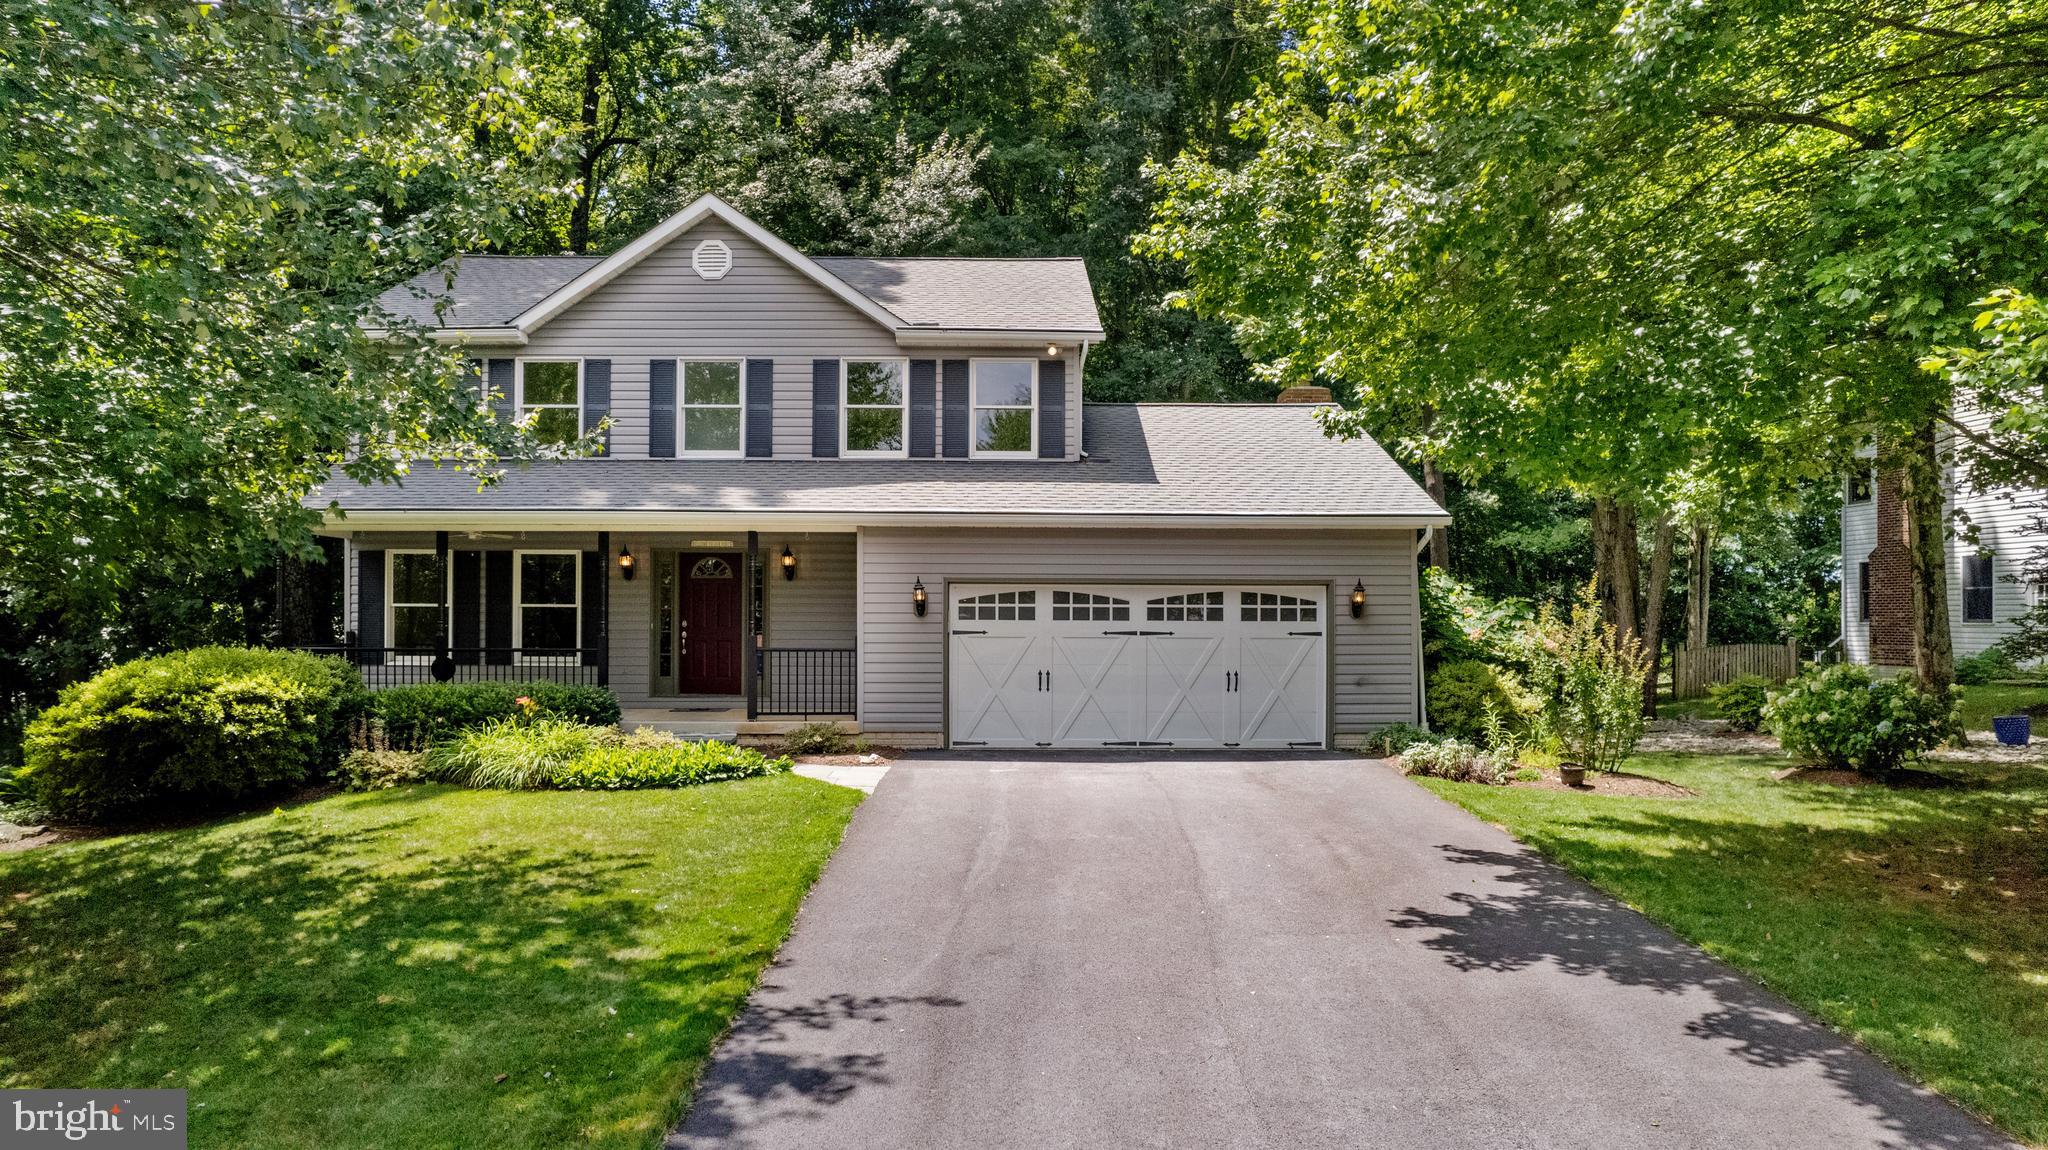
[1891, 579]
[1305, 394]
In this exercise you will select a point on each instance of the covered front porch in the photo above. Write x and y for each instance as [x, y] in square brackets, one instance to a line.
[722, 629]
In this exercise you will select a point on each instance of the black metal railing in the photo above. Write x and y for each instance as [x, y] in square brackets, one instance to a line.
[402, 666]
[806, 681]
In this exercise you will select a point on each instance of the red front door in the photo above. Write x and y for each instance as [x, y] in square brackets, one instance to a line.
[710, 616]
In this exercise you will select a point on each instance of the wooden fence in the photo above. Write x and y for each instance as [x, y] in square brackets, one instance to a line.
[1695, 669]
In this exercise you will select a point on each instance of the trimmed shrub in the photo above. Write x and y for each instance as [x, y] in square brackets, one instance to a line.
[1592, 684]
[677, 764]
[416, 715]
[378, 770]
[1992, 663]
[815, 739]
[1394, 738]
[1741, 701]
[1456, 760]
[1461, 694]
[1844, 717]
[201, 727]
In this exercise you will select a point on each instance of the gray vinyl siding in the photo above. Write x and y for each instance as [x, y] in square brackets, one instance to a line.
[762, 309]
[815, 610]
[903, 657]
[1859, 537]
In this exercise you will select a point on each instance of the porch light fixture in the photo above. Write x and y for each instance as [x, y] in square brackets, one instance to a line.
[1052, 349]
[1358, 599]
[788, 564]
[917, 598]
[625, 563]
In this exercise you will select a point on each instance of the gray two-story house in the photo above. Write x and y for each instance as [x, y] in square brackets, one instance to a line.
[868, 490]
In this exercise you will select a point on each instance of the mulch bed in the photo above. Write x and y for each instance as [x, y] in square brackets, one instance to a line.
[878, 757]
[1826, 776]
[1620, 784]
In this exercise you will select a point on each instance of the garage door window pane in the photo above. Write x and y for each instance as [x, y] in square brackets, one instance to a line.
[1267, 607]
[1082, 607]
[1010, 606]
[1192, 607]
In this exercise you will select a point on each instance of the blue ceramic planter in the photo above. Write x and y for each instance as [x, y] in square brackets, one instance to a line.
[2013, 730]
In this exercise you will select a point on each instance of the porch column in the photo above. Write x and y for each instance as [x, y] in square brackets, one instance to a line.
[604, 609]
[751, 641]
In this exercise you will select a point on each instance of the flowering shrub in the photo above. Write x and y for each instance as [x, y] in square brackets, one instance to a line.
[1591, 682]
[1459, 623]
[1458, 761]
[1844, 717]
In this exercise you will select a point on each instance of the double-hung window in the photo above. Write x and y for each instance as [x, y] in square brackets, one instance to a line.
[1005, 407]
[1861, 486]
[1863, 592]
[547, 601]
[551, 391]
[416, 602]
[710, 400]
[1977, 584]
[871, 394]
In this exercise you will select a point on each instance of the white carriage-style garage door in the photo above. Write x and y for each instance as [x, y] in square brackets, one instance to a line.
[1067, 665]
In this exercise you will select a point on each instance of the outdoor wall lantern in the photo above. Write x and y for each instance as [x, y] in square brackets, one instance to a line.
[917, 598]
[1358, 599]
[1052, 349]
[625, 563]
[788, 563]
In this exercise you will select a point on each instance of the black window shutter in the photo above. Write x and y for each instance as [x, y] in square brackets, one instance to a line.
[760, 408]
[465, 630]
[498, 607]
[597, 396]
[1052, 409]
[661, 408]
[501, 390]
[370, 605]
[825, 408]
[955, 402]
[924, 408]
[592, 603]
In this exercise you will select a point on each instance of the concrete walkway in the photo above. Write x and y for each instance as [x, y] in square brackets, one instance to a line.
[1233, 953]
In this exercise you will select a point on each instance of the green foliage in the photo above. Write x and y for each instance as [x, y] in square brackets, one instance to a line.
[1844, 717]
[511, 754]
[628, 766]
[1591, 684]
[1392, 739]
[1459, 624]
[822, 738]
[1992, 663]
[1462, 694]
[1741, 701]
[377, 770]
[416, 715]
[554, 754]
[1457, 761]
[203, 727]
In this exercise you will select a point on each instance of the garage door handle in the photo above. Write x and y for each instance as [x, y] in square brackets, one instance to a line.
[1316, 634]
[970, 632]
[1137, 632]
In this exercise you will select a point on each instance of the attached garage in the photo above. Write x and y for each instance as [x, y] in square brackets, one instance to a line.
[1120, 665]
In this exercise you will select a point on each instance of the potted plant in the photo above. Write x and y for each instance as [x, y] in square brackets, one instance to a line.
[2013, 730]
[1573, 774]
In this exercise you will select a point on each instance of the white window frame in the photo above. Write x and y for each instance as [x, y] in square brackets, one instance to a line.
[391, 603]
[519, 604]
[976, 407]
[521, 409]
[845, 409]
[683, 406]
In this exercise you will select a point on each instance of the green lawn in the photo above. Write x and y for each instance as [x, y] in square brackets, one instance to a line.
[1916, 920]
[360, 971]
[1981, 703]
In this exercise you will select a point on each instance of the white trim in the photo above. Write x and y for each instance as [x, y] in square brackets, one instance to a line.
[682, 406]
[519, 404]
[519, 604]
[975, 407]
[688, 520]
[391, 603]
[658, 236]
[991, 337]
[902, 408]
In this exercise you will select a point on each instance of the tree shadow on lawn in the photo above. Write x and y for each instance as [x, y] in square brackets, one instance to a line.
[334, 981]
[761, 1077]
[1543, 914]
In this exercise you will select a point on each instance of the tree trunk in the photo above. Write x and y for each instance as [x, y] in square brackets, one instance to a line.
[1699, 577]
[1440, 539]
[586, 161]
[1653, 607]
[1616, 563]
[1926, 540]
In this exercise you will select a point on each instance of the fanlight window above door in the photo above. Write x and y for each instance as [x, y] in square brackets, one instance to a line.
[711, 567]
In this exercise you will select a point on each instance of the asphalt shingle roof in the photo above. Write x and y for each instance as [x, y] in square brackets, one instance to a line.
[1050, 295]
[1164, 459]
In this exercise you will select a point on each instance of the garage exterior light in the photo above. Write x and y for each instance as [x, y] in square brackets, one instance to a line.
[917, 598]
[1358, 599]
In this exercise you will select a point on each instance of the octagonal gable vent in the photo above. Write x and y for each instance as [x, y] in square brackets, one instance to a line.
[712, 259]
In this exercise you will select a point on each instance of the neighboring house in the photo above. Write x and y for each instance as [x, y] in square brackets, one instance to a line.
[868, 490]
[1986, 590]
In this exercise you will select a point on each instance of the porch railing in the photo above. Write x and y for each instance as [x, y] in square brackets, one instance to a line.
[403, 666]
[806, 681]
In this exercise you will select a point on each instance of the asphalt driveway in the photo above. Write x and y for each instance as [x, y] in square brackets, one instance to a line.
[1255, 953]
